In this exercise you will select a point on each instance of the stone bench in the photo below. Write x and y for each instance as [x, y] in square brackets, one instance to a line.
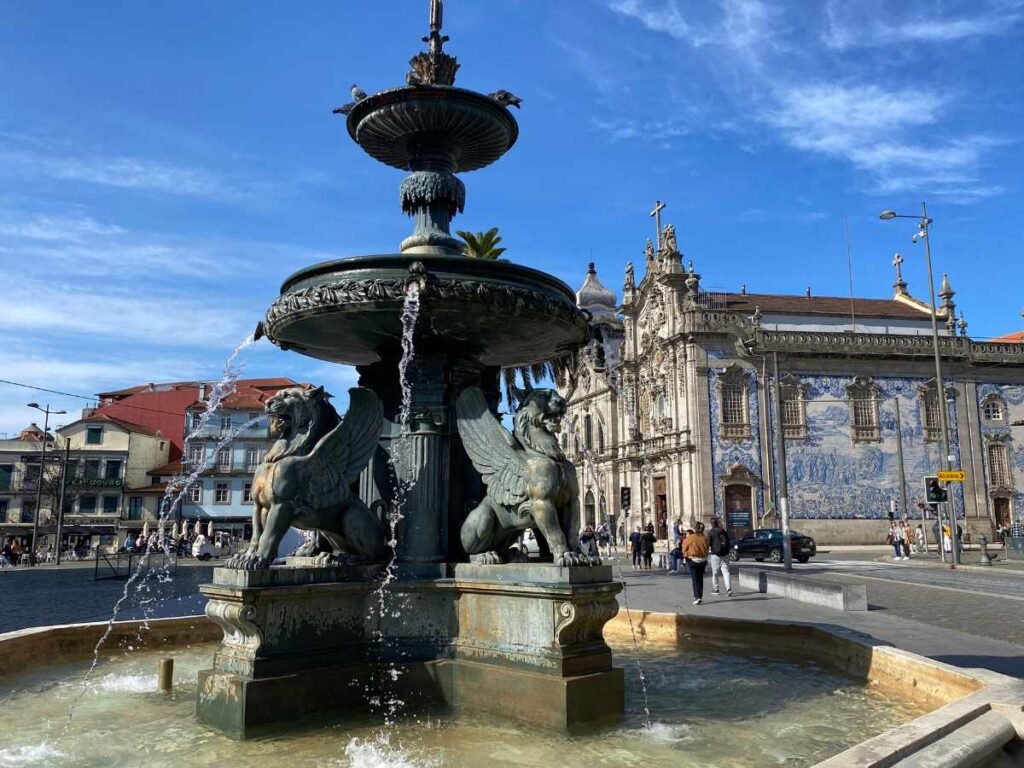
[806, 589]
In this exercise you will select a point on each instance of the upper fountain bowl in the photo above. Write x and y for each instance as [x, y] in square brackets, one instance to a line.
[493, 312]
[440, 126]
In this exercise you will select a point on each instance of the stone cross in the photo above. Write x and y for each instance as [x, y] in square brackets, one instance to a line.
[656, 213]
[900, 285]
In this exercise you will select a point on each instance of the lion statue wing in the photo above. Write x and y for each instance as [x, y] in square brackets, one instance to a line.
[495, 453]
[342, 453]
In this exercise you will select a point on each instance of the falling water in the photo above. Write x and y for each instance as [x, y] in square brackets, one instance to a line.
[400, 460]
[178, 486]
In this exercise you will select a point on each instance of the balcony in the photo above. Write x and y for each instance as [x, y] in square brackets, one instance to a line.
[216, 431]
[87, 481]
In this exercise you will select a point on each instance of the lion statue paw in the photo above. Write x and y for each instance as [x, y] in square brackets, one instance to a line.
[486, 558]
[570, 559]
[247, 561]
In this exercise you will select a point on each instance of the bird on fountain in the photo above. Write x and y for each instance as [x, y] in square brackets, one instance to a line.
[506, 99]
[358, 94]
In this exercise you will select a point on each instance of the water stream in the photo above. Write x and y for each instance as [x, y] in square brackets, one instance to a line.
[177, 487]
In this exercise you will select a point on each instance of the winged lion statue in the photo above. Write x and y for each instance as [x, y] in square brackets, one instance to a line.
[530, 483]
[304, 479]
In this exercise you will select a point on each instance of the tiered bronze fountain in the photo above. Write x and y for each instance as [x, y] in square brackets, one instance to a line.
[419, 493]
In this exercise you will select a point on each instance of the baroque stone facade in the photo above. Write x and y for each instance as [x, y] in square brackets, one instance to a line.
[675, 402]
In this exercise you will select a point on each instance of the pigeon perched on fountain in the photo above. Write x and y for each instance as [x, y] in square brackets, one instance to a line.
[344, 109]
[358, 94]
[506, 98]
[413, 78]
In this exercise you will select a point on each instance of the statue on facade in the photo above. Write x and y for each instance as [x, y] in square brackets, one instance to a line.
[669, 240]
[630, 277]
[530, 483]
[649, 250]
[304, 479]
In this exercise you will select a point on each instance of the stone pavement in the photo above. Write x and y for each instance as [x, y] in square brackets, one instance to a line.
[961, 628]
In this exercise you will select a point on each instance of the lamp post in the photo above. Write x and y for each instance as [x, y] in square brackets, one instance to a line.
[39, 482]
[924, 222]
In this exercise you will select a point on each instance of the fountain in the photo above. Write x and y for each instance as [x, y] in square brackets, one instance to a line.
[428, 330]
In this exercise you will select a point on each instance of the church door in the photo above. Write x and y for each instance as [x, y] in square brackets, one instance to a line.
[1001, 508]
[588, 509]
[738, 510]
[660, 508]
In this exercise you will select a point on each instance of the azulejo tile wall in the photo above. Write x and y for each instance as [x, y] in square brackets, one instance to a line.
[829, 475]
[1012, 398]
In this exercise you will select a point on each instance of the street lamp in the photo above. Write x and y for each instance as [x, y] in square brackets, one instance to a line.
[39, 481]
[923, 233]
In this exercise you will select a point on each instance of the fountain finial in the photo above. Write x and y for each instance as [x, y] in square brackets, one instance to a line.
[434, 66]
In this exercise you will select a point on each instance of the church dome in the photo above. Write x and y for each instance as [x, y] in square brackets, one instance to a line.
[594, 297]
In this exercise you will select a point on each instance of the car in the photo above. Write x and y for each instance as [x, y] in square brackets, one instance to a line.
[767, 543]
[202, 549]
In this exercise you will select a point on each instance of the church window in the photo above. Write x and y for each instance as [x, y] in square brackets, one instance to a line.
[864, 423]
[998, 465]
[735, 407]
[588, 431]
[993, 410]
[930, 419]
[794, 408]
[600, 438]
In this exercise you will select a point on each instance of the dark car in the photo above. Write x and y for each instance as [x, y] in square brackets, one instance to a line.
[767, 543]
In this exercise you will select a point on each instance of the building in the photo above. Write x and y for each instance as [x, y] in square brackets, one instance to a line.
[225, 451]
[161, 407]
[104, 456]
[674, 402]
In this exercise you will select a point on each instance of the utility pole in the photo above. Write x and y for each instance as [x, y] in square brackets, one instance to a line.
[780, 442]
[63, 487]
[903, 476]
[39, 481]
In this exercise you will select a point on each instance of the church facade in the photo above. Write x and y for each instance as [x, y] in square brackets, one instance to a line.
[672, 415]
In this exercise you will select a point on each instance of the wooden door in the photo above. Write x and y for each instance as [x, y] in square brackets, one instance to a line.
[660, 508]
[739, 514]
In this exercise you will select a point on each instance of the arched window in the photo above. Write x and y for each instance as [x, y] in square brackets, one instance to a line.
[864, 396]
[993, 410]
[600, 438]
[588, 431]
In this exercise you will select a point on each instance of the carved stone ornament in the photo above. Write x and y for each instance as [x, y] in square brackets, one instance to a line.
[241, 634]
[740, 474]
[424, 188]
[582, 623]
[501, 296]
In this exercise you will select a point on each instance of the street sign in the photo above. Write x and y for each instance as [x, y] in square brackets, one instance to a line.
[952, 475]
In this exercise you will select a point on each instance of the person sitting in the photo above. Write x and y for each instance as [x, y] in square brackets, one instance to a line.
[675, 557]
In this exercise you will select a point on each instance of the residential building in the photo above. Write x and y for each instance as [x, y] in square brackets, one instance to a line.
[677, 405]
[20, 479]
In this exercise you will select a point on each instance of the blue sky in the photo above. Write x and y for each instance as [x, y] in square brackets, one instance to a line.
[165, 165]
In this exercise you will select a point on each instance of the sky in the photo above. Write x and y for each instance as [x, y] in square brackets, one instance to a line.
[165, 165]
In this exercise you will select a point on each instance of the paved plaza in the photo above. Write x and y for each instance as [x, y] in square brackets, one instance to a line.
[964, 617]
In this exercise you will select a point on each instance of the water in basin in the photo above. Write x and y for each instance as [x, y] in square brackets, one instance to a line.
[709, 707]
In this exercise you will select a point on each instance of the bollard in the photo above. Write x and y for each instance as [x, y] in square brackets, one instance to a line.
[985, 559]
[165, 675]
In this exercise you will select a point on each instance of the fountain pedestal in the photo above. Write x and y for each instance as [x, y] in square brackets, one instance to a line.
[522, 642]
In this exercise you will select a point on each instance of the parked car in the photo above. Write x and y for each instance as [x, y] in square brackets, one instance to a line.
[766, 543]
[202, 549]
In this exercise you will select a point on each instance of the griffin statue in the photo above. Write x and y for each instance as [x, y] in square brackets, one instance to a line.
[304, 479]
[530, 483]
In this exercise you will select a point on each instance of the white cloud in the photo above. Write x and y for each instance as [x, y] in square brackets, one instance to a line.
[67, 308]
[117, 171]
[55, 228]
[623, 128]
[873, 24]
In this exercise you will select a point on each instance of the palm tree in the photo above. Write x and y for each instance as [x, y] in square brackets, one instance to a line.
[481, 245]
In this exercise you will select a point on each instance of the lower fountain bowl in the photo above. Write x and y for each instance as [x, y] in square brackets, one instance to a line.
[494, 312]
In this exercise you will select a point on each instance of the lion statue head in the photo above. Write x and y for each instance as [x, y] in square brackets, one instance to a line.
[299, 416]
[538, 418]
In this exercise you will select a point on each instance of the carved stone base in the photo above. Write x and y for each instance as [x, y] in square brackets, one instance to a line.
[520, 641]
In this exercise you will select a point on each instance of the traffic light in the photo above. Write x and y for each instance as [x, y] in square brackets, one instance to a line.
[934, 492]
[624, 497]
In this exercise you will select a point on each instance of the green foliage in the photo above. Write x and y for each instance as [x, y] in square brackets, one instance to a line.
[481, 245]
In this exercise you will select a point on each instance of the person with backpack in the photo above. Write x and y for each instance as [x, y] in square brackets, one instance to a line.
[634, 545]
[718, 557]
[647, 541]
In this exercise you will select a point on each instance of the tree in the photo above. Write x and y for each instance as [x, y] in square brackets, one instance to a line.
[481, 245]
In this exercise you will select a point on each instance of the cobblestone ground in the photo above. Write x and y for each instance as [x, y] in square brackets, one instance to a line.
[31, 597]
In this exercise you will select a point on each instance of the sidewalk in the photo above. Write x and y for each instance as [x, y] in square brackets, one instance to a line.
[657, 591]
[970, 560]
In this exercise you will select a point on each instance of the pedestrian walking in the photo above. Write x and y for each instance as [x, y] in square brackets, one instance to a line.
[696, 552]
[647, 542]
[905, 539]
[718, 556]
[15, 551]
[622, 534]
[894, 539]
[588, 541]
[919, 539]
[634, 545]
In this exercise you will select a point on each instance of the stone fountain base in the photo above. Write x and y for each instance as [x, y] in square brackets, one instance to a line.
[518, 641]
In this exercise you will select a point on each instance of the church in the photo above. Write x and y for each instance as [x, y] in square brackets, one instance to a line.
[672, 413]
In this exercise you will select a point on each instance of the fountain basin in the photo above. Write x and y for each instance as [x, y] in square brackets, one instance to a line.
[494, 313]
[407, 128]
